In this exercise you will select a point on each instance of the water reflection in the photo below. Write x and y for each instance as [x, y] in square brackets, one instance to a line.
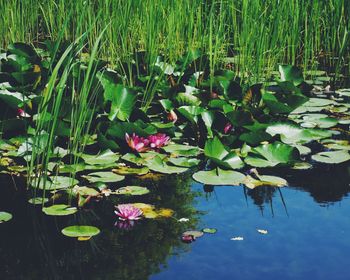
[32, 246]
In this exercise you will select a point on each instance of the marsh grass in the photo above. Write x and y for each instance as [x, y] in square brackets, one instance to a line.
[262, 32]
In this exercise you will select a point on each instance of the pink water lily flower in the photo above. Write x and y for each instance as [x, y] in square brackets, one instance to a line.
[228, 128]
[158, 140]
[128, 212]
[137, 143]
[22, 113]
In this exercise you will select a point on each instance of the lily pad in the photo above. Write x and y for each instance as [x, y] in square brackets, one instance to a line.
[209, 230]
[184, 161]
[336, 144]
[85, 191]
[38, 200]
[126, 170]
[59, 210]
[104, 177]
[54, 183]
[334, 157]
[81, 232]
[264, 180]
[106, 157]
[5, 217]
[270, 155]
[157, 164]
[219, 177]
[292, 134]
[217, 152]
[182, 150]
[132, 190]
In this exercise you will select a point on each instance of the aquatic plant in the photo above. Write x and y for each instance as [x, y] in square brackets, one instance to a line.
[158, 140]
[137, 143]
[128, 212]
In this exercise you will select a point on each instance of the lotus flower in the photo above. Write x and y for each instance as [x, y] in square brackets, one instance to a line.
[228, 128]
[158, 140]
[137, 143]
[128, 212]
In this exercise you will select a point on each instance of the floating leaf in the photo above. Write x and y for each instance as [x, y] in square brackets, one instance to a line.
[54, 183]
[264, 180]
[5, 217]
[269, 155]
[291, 134]
[126, 170]
[157, 164]
[209, 230]
[217, 152]
[38, 200]
[59, 210]
[336, 144]
[85, 191]
[184, 161]
[106, 157]
[182, 150]
[81, 232]
[132, 190]
[332, 157]
[219, 177]
[104, 177]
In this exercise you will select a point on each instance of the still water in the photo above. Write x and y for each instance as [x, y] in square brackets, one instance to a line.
[307, 225]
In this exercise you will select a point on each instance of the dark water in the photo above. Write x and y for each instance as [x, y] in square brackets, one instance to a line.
[308, 234]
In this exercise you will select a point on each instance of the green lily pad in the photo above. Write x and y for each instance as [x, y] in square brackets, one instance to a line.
[264, 180]
[38, 200]
[332, 157]
[85, 191]
[104, 177]
[291, 134]
[270, 155]
[80, 232]
[217, 152]
[59, 210]
[321, 122]
[336, 144]
[132, 190]
[182, 150]
[219, 177]
[55, 183]
[129, 157]
[302, 166]
[106, 157]
[5, 217]
[126, 170]
[157, 164]
[184, 161]
[209, 230]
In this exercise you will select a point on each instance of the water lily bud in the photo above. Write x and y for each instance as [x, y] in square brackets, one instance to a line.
[172, 116]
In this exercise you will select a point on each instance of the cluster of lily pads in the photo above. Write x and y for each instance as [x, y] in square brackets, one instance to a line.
[173, 118]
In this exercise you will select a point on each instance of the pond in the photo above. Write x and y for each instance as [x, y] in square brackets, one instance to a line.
[304, 233]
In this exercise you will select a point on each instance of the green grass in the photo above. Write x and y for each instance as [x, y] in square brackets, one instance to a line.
[263, 32]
